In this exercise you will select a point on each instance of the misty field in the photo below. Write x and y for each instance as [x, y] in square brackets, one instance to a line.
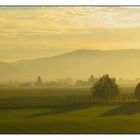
[48, 110]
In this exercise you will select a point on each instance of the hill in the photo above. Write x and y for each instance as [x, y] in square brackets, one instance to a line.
[7, 71]
[77, 64]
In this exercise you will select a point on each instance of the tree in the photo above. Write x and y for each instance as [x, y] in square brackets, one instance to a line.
[91, 79]
[105, 88]
[39, 81]
[137, 91]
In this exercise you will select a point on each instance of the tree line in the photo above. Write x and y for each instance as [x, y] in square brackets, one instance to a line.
[106, 88]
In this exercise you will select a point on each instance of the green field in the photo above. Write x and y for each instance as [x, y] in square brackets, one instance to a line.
[46, 110]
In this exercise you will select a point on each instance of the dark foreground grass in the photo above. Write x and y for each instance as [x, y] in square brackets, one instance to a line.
[35, 111]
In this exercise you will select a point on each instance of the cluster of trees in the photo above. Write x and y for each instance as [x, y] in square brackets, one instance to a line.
[106, 87]
[90, 81]
[65, 82]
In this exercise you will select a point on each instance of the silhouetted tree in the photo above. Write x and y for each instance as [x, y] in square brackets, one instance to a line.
[39, 81]
[105, 88]
[91, 79]
[137, 91]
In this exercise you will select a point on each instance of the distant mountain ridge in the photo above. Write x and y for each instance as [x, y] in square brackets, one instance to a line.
[78, 64]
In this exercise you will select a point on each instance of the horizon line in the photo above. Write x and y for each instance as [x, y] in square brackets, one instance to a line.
[67, 52]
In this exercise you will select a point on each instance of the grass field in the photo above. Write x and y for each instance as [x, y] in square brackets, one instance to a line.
[46, 110]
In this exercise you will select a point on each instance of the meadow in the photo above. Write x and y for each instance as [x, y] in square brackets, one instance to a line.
[48, 110]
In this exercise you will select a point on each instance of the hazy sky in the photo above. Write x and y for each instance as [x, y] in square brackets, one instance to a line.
[45, 31]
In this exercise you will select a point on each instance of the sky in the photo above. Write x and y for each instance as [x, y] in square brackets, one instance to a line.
[33, 32]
